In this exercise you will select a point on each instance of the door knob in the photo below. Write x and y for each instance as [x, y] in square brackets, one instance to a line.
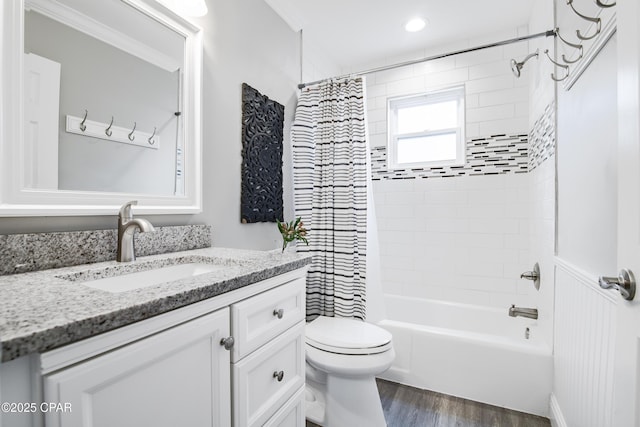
[625, 283]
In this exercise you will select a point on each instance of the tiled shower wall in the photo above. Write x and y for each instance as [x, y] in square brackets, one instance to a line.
[459, 234]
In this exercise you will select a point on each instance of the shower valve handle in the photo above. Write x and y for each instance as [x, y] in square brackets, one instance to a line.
[533, 275]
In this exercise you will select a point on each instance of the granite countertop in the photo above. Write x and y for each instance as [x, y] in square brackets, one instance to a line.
[41, 311]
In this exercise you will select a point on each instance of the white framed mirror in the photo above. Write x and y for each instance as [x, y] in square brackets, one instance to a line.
[100, 104]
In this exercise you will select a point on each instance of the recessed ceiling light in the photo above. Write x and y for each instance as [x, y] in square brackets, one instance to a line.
[415, 24]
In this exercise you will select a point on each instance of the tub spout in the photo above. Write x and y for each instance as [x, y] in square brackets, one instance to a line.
[531, 313]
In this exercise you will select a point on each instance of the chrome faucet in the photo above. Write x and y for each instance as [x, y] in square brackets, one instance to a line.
[126, 227]
[531, 313]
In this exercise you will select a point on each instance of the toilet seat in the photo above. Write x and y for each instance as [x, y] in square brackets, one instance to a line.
[347, 336]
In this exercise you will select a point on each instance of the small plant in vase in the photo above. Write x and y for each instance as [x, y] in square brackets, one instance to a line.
[291, 231]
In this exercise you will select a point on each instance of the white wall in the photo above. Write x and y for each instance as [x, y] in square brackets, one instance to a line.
[463, 239]
[245, 41]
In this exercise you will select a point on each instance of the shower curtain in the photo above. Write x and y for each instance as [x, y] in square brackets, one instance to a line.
[330, 194]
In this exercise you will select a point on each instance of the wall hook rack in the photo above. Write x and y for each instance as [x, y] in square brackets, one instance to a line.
[557, 64]
[110, 132]
[596, 21]
[573, 45]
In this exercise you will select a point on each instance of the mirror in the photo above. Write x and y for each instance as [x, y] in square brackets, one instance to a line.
[108, 95]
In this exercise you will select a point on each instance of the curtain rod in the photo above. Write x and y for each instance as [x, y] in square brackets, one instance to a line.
[547, 33]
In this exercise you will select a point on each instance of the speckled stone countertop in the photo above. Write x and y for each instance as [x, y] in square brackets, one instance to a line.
[51, 308]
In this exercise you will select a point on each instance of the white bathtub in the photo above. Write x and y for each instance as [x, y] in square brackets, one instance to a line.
[469, 351]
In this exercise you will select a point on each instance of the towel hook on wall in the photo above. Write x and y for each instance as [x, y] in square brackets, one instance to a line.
[566, 67]
[83, 127]
[108, 130]
[131, 136]
[596, 21]
[151, 140]
[573, 45]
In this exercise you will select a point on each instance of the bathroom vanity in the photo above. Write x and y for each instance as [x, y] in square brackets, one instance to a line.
[221, 348]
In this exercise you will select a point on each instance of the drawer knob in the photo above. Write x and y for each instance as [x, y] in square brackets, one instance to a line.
[227, 343]
[279, 313]
[279, 375]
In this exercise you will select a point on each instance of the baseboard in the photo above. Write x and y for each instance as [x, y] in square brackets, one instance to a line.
[557, 419]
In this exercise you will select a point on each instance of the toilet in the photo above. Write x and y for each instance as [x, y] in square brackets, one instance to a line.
[343, 358]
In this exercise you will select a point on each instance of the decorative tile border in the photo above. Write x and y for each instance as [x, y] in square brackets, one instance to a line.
[495, 155]
[20, 253]
[542, 138]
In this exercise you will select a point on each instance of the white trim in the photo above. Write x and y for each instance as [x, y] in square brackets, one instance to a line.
[96, 29]
[587, 279]
[557, 419]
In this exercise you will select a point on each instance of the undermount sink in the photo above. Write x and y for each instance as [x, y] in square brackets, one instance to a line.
[122, 281]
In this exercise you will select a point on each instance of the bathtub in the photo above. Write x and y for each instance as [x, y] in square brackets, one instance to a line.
[470, 351]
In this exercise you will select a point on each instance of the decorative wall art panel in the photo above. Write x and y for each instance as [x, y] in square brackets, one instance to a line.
[262, 130]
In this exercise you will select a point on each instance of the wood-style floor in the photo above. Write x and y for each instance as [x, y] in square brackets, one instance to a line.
[406, 406]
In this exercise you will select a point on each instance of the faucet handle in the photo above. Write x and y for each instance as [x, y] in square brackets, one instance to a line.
[125, 210]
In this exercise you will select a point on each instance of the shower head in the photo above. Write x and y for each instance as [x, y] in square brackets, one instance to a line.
[517, 66]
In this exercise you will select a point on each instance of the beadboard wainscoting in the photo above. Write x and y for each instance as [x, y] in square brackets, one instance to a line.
[584, 344]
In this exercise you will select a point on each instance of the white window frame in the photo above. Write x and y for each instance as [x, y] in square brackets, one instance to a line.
[455, 93]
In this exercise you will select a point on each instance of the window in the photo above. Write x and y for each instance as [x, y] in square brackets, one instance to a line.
[426, 130]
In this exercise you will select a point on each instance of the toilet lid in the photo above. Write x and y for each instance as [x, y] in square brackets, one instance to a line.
[346, 336]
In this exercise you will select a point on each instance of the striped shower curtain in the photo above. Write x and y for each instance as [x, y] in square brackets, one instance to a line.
[330, 194]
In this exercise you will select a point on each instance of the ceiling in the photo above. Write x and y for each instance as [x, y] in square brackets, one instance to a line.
[356, 32]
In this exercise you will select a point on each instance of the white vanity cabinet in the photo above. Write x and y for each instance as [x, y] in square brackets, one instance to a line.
[173, 369]
[179, 377]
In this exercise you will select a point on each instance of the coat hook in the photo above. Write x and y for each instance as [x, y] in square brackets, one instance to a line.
[108, 130]
[83, 127]
[604, 5]
[596, 21]
[573, 45]
[566, 67]
[151, 141]
[131, 137]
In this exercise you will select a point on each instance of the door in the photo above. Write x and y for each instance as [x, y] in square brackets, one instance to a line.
[178, 377]
[627, 355]
[41, 118]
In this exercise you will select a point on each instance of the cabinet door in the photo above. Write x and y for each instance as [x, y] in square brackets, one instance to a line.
[178, 377]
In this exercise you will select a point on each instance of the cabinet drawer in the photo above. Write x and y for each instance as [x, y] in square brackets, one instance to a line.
[255, 321]
[257, 392]
[291, 414]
